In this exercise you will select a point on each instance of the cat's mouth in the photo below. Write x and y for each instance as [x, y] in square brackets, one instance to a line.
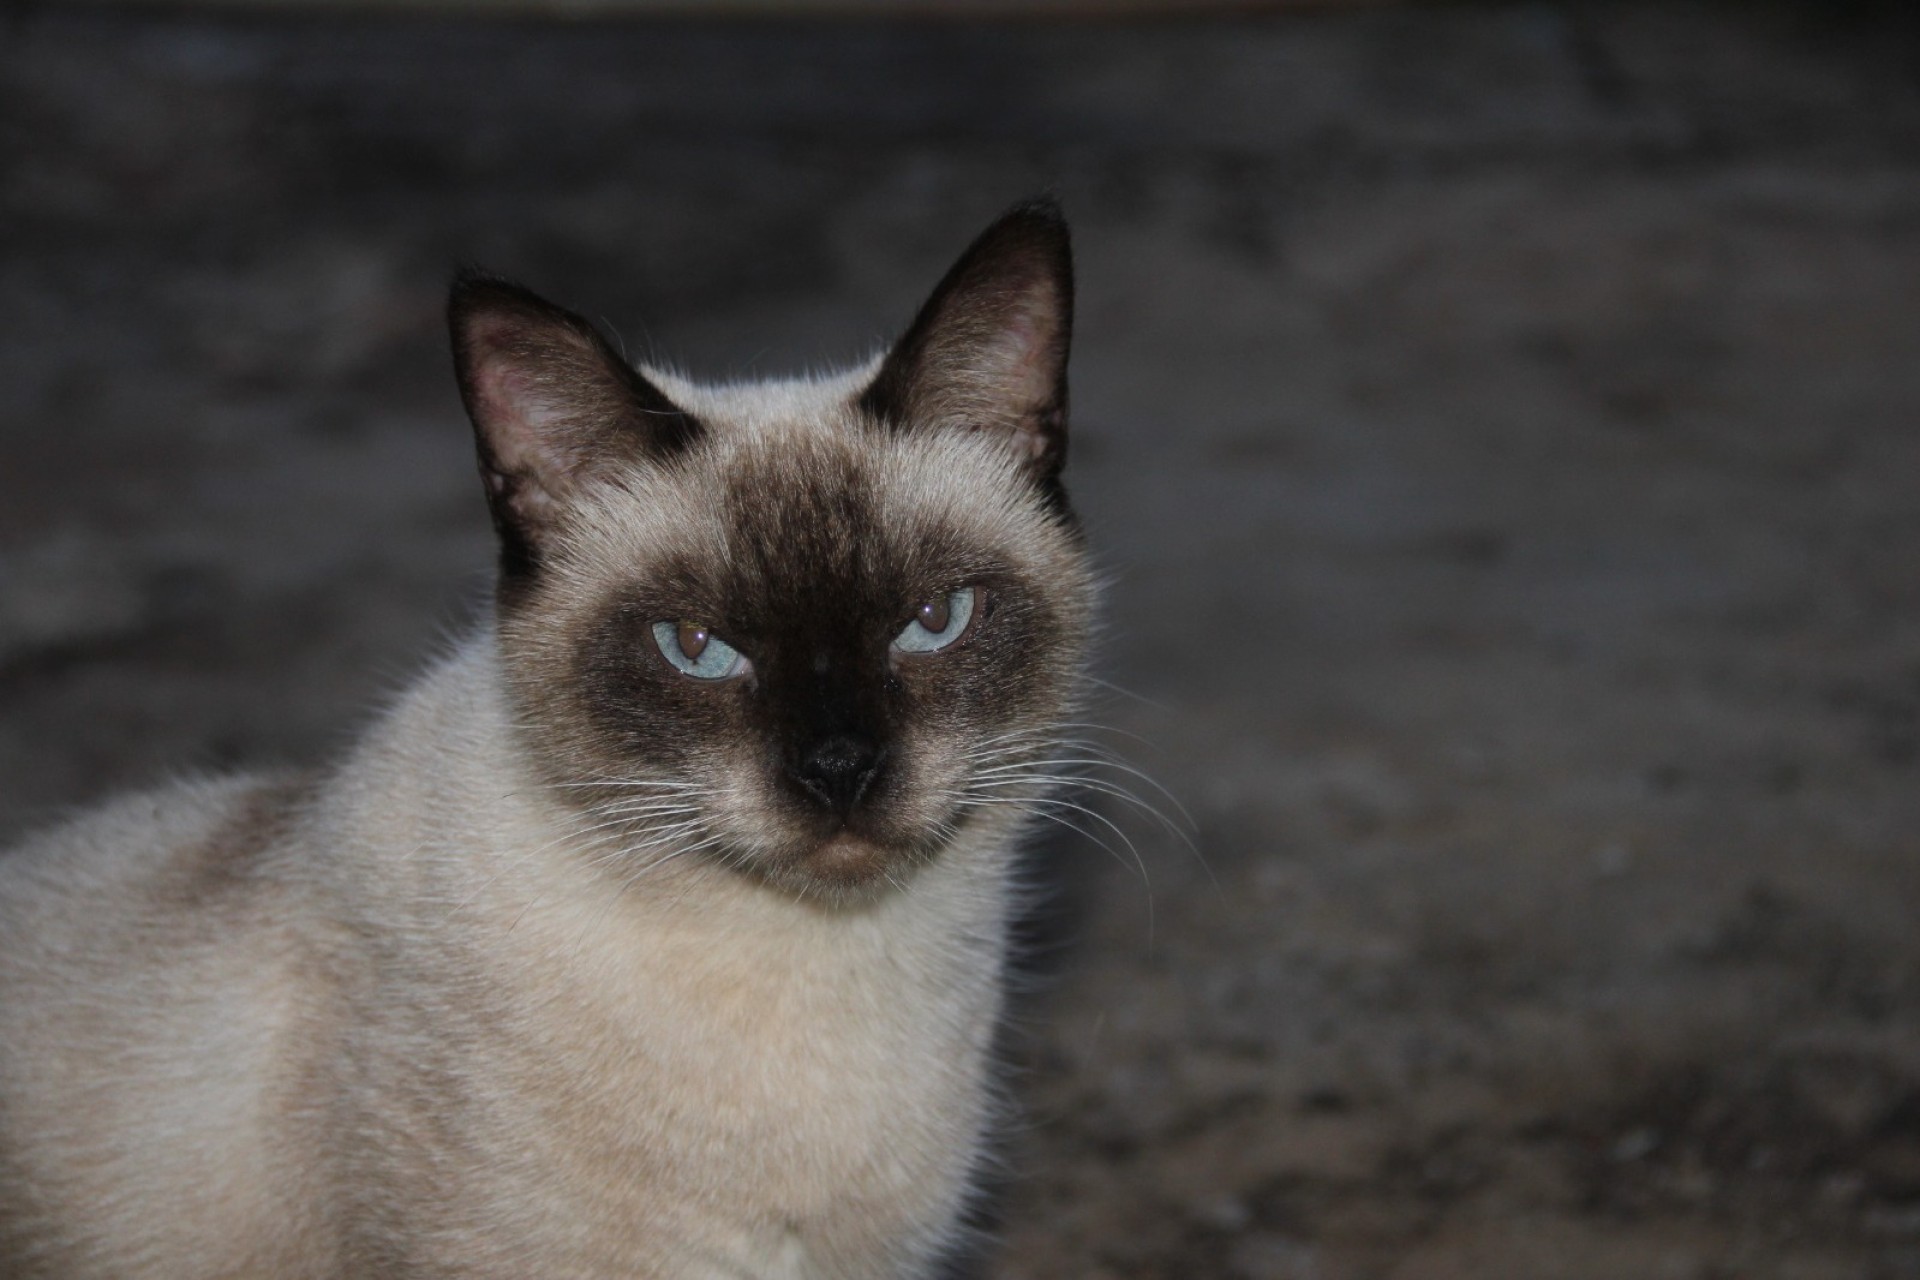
[850, 856]
[845, 860]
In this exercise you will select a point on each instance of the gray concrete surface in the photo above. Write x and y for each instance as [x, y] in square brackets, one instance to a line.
[1499, 424]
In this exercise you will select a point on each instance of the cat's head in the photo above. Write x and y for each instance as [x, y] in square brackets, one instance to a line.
[808, 629]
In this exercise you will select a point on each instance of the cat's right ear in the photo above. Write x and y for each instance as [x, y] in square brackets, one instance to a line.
[553, 405]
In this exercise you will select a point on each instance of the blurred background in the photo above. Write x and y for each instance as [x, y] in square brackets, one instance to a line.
[1498, 423]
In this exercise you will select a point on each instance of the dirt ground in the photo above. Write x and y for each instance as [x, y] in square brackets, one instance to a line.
[1501, 425]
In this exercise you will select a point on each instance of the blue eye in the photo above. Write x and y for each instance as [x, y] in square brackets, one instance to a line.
[937, 623]
[697, 651]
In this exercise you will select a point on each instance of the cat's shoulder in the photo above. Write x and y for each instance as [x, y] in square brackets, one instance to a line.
[194, 842]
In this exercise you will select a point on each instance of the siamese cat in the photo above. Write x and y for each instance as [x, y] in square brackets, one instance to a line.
[658, 930]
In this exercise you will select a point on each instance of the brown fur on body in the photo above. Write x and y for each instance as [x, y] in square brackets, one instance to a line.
[579, 966]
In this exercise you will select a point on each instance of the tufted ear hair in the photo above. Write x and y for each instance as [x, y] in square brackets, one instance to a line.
[553, 406]
[988, 351]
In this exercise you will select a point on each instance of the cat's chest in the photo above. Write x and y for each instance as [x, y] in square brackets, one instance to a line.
[785, 1095]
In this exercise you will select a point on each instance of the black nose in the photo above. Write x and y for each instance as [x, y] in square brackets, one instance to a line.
[838, 770]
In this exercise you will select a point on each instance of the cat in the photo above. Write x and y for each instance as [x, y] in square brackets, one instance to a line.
[660, 929]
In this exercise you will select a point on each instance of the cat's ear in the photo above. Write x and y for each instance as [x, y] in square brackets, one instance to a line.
[988, 351]
[553, 407]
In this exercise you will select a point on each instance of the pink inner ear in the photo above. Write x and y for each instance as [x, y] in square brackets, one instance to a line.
[530, 464]
[512, 410]
[521, 418]
[1023, 352]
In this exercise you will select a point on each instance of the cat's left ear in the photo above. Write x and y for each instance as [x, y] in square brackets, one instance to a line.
[988, 351]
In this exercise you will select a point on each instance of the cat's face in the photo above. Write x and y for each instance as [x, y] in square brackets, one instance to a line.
[804, 629]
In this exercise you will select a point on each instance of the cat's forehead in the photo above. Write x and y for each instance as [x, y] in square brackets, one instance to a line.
[740, 410]
[792, 483]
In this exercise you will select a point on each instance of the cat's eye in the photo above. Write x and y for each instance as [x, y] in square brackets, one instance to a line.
[697, 651]
[937, 623]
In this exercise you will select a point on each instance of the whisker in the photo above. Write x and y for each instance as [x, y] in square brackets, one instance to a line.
[1064, 755]
[1096, 762]
[1044, 809]
[1111, 687]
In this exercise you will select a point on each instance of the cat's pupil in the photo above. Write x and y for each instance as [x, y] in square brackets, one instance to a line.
[692, 638]
[934, 615]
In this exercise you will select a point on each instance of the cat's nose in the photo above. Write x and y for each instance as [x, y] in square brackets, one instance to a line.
[838, 769]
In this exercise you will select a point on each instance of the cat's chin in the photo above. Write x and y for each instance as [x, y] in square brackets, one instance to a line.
[843, 866]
